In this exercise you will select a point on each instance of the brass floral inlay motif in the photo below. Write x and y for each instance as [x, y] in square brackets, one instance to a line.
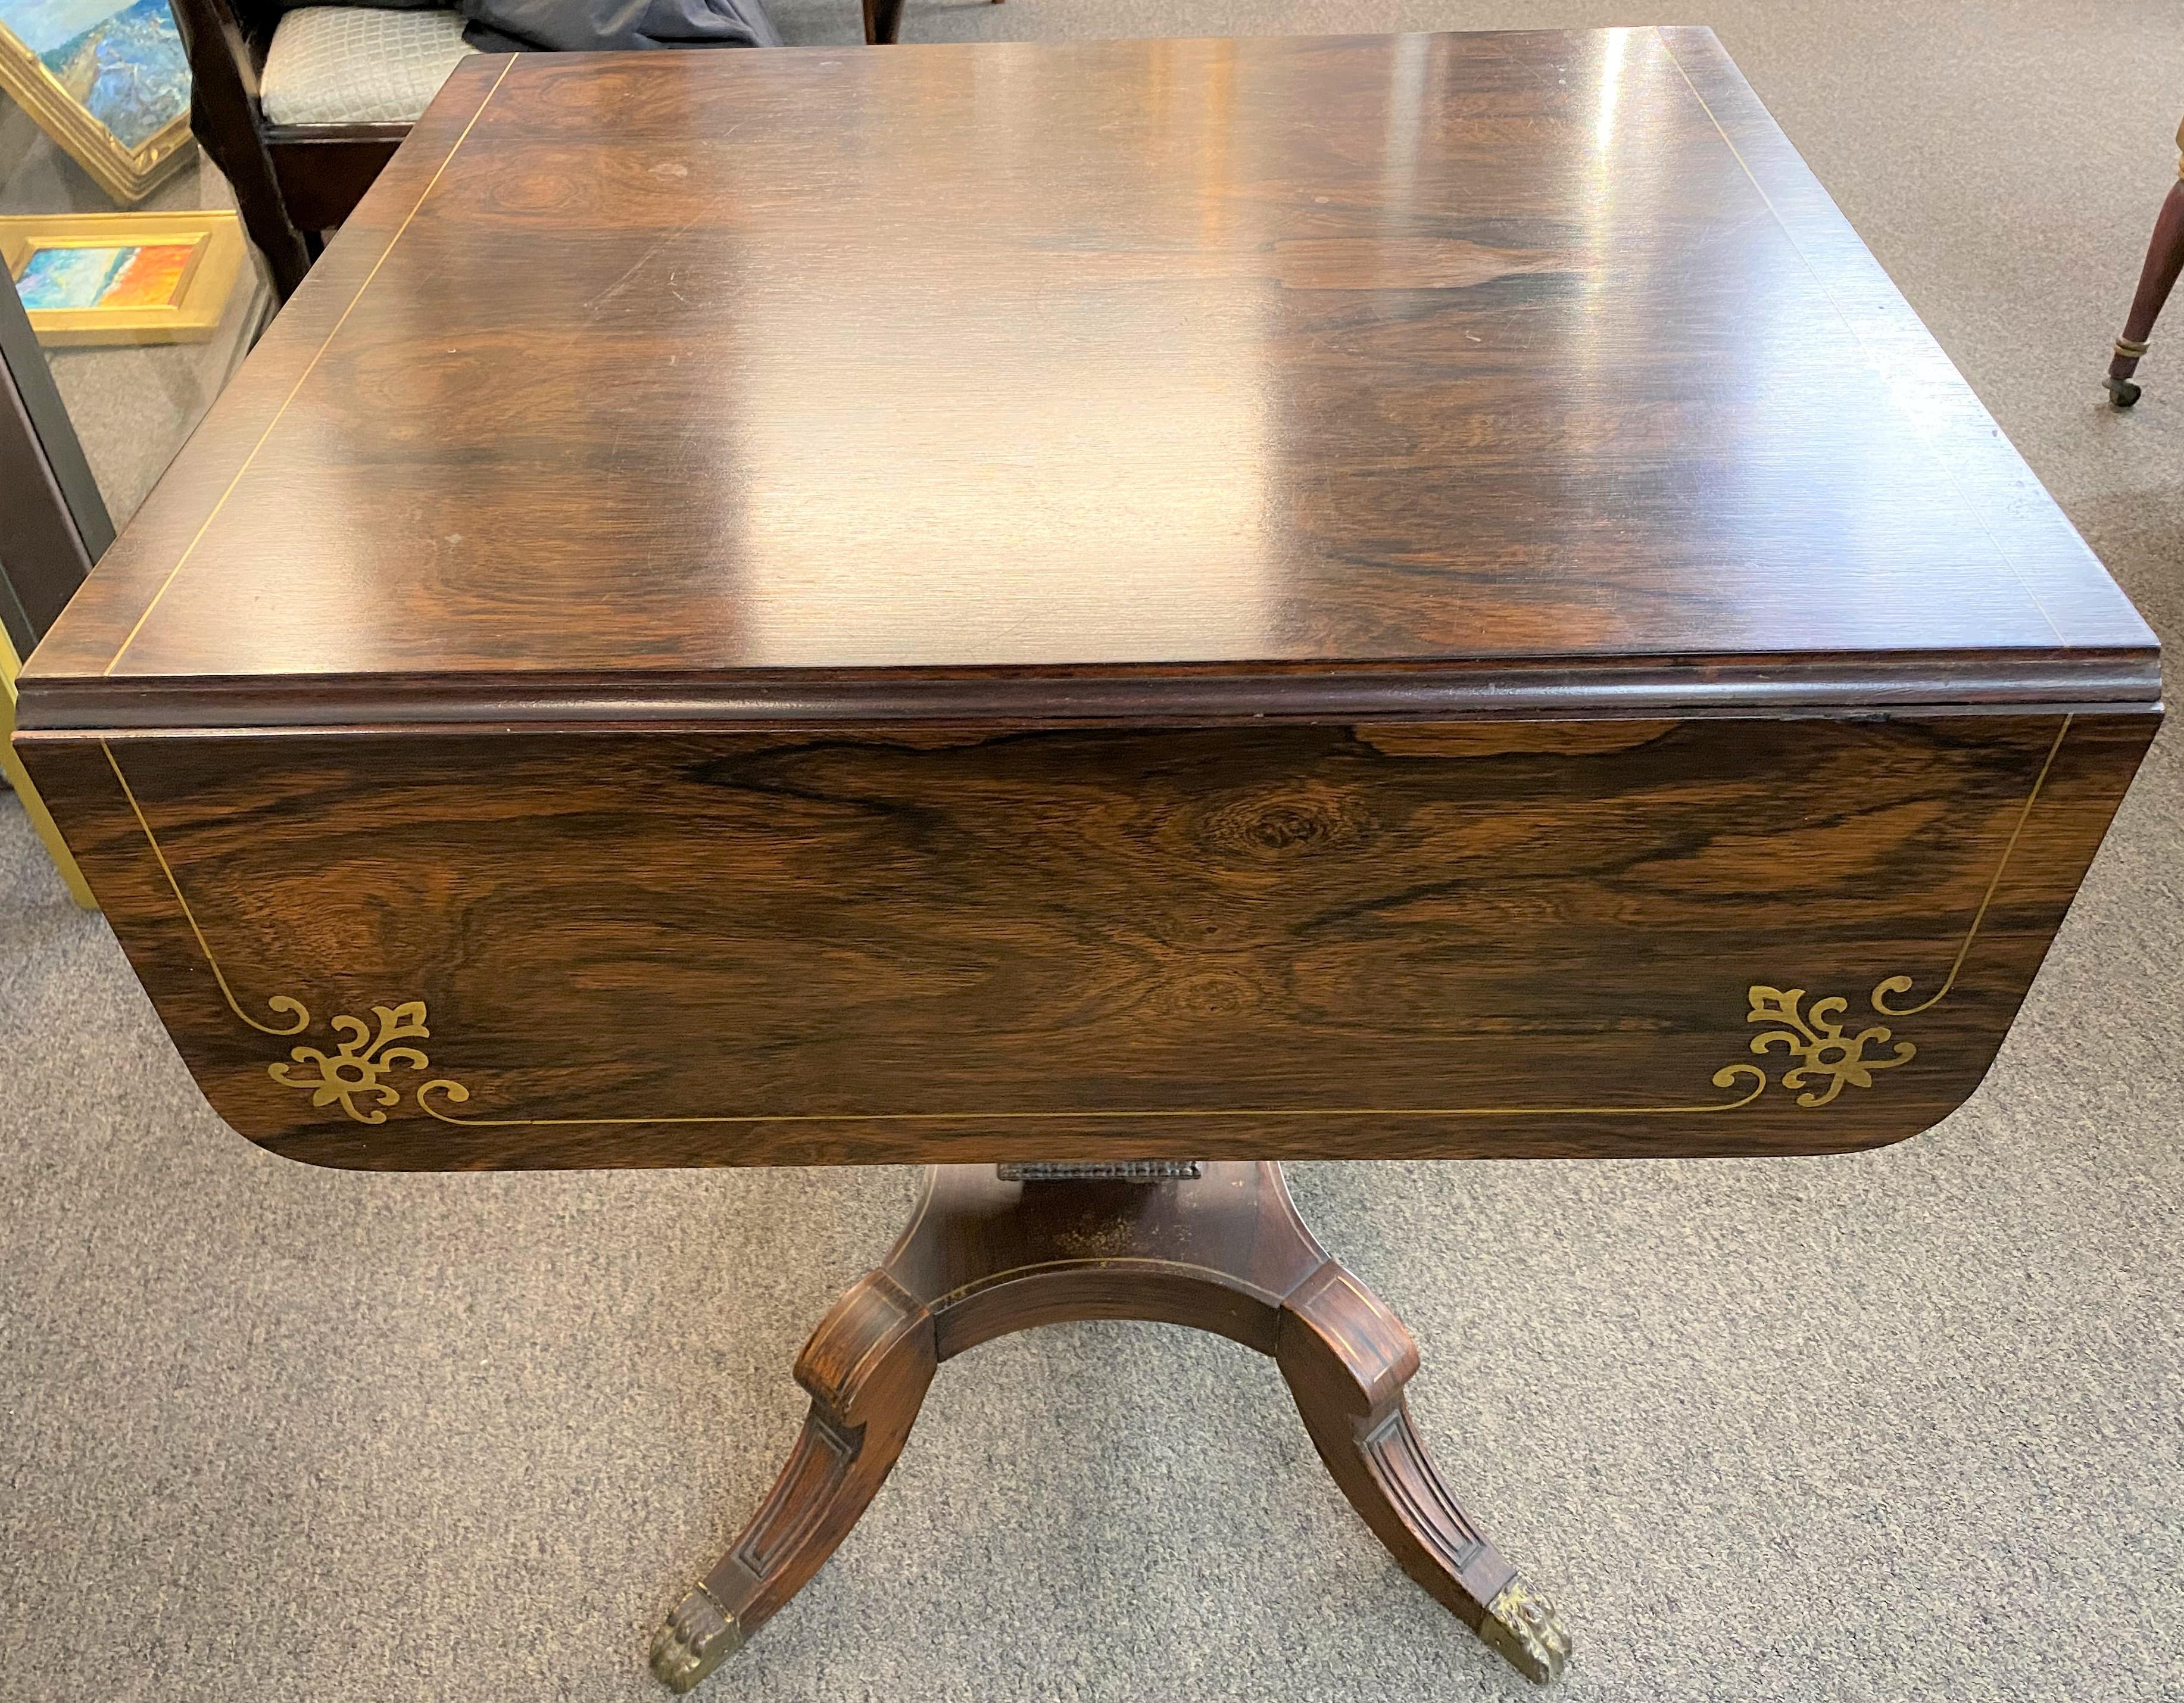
[1816, 1035]
[354, 1069]
[1829, 1059]
[1829, 1056]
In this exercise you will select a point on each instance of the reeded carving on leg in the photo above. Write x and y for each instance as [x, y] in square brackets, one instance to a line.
[697, 1638]
[865, 1368]
[1521, 1624]
[1346, 1358]
[1428, 1508]
[984, 1257]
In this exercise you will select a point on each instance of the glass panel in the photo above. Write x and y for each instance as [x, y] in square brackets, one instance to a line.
[119, 235]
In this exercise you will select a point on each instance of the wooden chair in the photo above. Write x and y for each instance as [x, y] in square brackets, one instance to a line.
[2165, 259]
[294, 182]
[302, 110]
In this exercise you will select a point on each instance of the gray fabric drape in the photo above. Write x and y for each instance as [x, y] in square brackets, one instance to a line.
[592, 26]
[600, 26]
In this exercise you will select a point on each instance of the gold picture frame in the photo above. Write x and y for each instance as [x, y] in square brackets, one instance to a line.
[11, 768]
[191, 288]
[45, 85]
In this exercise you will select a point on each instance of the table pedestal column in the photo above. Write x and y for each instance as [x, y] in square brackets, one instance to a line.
[1222, 1251]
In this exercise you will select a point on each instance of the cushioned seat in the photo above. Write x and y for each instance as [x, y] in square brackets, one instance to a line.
[352, 64]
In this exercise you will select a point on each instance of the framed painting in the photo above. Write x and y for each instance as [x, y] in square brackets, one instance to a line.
[123, 277]
[107, 80]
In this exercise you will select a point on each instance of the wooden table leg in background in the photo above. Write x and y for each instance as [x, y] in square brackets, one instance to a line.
[884, 21]
[2165, 259]
[989, 1251]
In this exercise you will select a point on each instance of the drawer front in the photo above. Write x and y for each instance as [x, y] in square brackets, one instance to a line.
[422, 950]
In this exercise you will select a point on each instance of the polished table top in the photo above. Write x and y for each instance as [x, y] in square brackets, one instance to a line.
[1460, 365]
[1374, 597]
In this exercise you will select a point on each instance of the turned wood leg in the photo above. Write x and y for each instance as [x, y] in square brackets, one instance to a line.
[867, 1367]
[1346, 1358]
[2165, 259]
[883, 21]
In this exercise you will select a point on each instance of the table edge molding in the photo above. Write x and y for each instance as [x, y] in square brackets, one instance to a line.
[2084, 682]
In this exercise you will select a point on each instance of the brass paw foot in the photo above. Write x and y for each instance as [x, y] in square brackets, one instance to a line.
[1520, 1622]
[693, 1640]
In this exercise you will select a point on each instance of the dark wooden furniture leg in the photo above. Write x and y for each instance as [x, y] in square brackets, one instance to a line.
[1221, 1251]
[224, 118]
[2165, 259]
[883, 21]
[867, 1367]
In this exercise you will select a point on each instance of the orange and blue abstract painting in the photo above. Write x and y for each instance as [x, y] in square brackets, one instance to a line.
[138, 276]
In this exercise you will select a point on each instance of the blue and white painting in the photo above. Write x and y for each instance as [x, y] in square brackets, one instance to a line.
[122, 63]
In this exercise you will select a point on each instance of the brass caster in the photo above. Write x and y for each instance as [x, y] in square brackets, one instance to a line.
[693, 1640]
[2129, 351]
[1521, 1624]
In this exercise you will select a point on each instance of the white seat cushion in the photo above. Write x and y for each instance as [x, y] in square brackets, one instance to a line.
[355, 65]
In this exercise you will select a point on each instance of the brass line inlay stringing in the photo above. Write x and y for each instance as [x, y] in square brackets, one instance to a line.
[311, 367]
[1828, 1055]
[1949, 472]
[280, 1002]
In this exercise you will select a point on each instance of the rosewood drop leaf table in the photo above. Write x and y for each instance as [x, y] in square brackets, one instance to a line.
[1097, 616]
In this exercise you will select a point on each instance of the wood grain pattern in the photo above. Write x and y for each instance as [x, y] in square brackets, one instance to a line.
[886, 944]
[1411, 354]
[1442, 597]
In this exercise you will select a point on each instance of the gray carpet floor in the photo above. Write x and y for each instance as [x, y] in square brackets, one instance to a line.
[1901, 1425]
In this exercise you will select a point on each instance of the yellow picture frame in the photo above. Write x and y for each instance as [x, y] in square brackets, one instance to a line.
[11, 768]
[127, 174]
[190, 313]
